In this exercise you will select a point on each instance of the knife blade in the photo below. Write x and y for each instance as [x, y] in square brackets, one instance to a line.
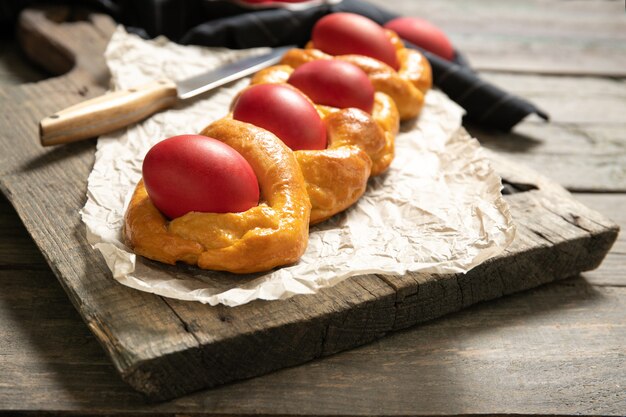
[118, 109]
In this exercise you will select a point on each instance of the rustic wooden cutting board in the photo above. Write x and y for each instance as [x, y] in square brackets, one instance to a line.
[165, 348]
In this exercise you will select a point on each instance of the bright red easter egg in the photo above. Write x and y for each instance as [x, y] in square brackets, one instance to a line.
[423, 34]
[349, 33]
[196, 173]
[283, 111]
[334, 83]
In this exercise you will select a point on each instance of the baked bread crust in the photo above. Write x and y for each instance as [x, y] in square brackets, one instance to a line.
[360, 145]
[406, 86]
[297, 188]
[271, 234]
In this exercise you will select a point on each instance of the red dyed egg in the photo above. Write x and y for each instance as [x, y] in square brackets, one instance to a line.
[349, 33]
[423, 34]
[334, 83]
[283, 111]
[196, 173]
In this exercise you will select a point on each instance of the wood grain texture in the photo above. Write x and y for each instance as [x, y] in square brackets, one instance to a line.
[352, 313]
[613, 270]
[544, 50]
[554, 349]
[574, 37]
[51, 185]
[583, 147]
[166, 348]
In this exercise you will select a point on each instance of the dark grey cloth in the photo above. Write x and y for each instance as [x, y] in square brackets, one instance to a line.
[224, 23]
[484, 103]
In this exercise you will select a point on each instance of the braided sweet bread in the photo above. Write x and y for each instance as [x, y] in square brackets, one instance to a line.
[406, 86]
[360, 145]
[268, 235]
[297, 187]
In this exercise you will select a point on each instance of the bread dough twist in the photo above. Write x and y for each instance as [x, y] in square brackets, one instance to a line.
[406, 86]
[271, 234]
[360, 145]
[296, 187]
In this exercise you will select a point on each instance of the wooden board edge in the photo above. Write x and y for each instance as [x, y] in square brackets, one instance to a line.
[422, 298]
[421, 302]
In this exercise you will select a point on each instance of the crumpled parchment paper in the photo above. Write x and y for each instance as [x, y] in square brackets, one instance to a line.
[438, 209]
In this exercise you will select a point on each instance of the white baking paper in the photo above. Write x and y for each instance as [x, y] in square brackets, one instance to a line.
[437, 209]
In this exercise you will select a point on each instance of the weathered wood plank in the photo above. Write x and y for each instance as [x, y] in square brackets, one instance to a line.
[167, 348]
[478, 353]
[49, 353]
[569, 100]
[555, 236]
[133, 326]
[558, 238]
[552, 350]
[17, 250]
[47, 186]
[613, 268]
[536, 36]
[50, 360]
[581, 157]
[583, 147]
[541, 347]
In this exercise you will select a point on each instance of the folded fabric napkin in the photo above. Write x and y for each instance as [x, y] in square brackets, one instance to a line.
[240, 25]
[237, 24]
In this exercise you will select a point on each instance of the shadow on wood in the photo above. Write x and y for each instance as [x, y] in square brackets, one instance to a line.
[59, 155]
[513, 142]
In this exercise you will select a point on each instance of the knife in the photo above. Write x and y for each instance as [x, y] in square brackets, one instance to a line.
[115, 110]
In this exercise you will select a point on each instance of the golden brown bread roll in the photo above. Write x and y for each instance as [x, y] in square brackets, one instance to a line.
[296, 187]
[406, 86]
[271, 234]
[360, 145]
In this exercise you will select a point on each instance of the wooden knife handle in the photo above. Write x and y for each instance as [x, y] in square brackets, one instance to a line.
[107, 113]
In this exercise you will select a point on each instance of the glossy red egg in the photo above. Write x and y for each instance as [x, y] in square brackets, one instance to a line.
[423, 34]
[196, 173]
[349, 33]
[283, 111]
[334, 83]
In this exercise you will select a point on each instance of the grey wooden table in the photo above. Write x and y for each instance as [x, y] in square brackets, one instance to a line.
[557, 349]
